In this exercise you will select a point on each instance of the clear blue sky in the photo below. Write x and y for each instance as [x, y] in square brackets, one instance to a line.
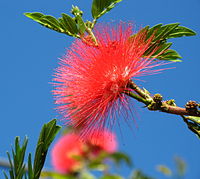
[30, 52]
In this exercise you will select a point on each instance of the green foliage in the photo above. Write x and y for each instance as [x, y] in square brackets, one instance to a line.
[86, 175]
[164, 169]
[193, 124]
[181, 31]
[98, 163]
[180, 169]
[54, 175]
[74, 26]
[138, 174]
[194, 119]
[119, 157]
[100, 7]
[180, 166]
[69, 24]
[159, 47]
[111, 177]
[17, 166]
[46, 137]
[64, 24]
[171, 55]
[79, 20]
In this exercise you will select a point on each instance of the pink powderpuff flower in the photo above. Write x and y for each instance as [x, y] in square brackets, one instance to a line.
[69, 147]
[90, 81]
[101, 141]
[64, 152]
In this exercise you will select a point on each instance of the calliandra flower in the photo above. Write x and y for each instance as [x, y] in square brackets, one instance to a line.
[69, 147]
[102, 141]
[91, 80]
[64, 152]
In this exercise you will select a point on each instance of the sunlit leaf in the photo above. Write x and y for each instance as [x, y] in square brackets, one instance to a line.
[164, 31]
[181, 31]
[54, 175]
[100, 7]
[111, 177]
[180, 165]
[153, 30]
[86, 175]
[45, 20]
[193, 124]
[159, 45]
[46, 137]
[121, 157]
[17, 166]
[164, 169]
[79, 20]
[30, 169]
[140, 175]
[194, 119]
[69, 24]
[170, 55]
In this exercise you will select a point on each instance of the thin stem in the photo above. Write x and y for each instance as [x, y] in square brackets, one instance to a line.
[157, 104]
[144, 94]
[93, 23]
[4, 164]
[89, 31]
[138, 98]
[177, 110]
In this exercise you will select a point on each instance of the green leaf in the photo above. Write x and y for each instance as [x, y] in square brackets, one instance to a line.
[30, 169]
[181, 31]
[180, 165]
[81, 24]
[194, 126]
[160, 33]
[161, 49]
[36, 16]
[79, 20]
[194, 119]
[17, 166]
[45, 20]
[153, 29]
[164, 31]
[5, 175]
[120, 157]
[97, 165]
[54, 175]
[140, 175]
[87, 175]
[69, 24]
[170, 55]
[159, 44]
[100, 7]
[51, 20]
[46, 137]
[111, 177]
[164, 169]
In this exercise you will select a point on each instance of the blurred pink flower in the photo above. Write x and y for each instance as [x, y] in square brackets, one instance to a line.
[69, 147]
[104, 141]
[64, 152]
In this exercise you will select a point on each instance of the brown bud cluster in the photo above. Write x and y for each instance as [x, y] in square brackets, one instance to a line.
[157, 98]
[191, 106]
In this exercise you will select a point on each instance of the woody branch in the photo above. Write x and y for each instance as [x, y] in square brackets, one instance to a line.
[156, 102]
